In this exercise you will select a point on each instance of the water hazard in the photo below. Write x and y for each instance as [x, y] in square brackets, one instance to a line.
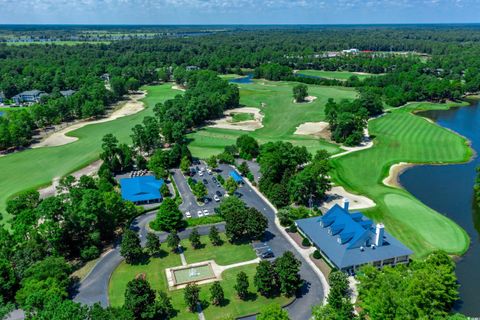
[449, 190]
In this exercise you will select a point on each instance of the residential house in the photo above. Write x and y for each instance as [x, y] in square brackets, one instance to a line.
[67, 93]
[32, 96]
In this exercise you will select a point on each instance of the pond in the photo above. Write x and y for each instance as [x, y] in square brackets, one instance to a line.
[243, 80]
[449, 190]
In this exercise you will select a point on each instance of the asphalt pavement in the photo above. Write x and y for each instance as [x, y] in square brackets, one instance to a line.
[94, 288]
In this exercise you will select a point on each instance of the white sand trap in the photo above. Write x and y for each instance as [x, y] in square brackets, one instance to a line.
[311, 128]
[89, 170]
[177, 87]
[308, 99]
[59, 138]
[249, 125]
[395, 171]
[338, 194]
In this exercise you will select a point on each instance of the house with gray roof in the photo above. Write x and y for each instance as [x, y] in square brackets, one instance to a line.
[348, 241]
[67, 93]
[31, 96]
[2, 97]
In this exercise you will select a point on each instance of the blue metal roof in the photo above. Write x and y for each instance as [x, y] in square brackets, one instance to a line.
[346, 239]
[143, 188]
[234, 174]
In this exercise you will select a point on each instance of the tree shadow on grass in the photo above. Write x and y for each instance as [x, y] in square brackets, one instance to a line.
[161, 254]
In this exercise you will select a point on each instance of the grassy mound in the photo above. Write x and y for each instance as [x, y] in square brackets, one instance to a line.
[404, 137]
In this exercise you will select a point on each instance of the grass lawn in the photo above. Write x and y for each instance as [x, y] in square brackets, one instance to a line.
[404, 137]
[221, 254]
[282, 116]
[33, 168]
[239, 117]
[155, 274]
[338, 75]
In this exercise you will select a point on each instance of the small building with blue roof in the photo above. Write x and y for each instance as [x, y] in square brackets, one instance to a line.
[348, 241]
[236, 176]
[141, 190]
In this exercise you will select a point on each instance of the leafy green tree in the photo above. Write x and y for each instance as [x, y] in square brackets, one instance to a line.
[191, 295]
[242, 285]
[173, 240]
[214, 236]
[132, 84]
[185, 165]
[194, 239]
[8, 281]
[287, 268]
[118, 86]
[200, 190]
[153, 244]
[165, 191]
[169, 217]
[242, 222]
[165, 308]
[273, 312]
[244, 169]
[247, 146]
[265, 279]
[231, 186]
[212, 162]
[140, 299]
[300, 92]
[217, 296]
[130, 247]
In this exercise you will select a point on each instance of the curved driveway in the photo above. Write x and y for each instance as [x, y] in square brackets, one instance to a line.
[94, 288]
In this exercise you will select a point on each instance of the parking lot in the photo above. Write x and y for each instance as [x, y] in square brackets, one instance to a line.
[201, 175]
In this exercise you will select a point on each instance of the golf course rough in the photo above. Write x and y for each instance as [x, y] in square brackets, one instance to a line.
[401, 136]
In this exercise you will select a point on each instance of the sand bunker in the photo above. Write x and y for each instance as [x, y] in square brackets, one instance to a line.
[308, 99]
[249, 125]
[312, 128]
[177, 87]
[59, 138]
[338, 194]
[395, 171]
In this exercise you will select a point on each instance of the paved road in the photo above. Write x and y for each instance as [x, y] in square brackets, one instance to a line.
[94, 288]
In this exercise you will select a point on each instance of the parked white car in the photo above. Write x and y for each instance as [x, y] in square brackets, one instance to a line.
[199, 213]
[216, 198]
[188, 214]
[205, 212]
[200, 173]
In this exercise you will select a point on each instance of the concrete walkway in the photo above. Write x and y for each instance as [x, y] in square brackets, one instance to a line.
[182, 256]
[219, 269]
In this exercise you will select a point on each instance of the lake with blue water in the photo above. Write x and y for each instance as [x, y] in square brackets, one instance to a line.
[243, 80]
[449, 190]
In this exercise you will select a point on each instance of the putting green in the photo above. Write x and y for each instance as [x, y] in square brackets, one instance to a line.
[281, 117]
[338, 75]
[401, 136]
[34, 168]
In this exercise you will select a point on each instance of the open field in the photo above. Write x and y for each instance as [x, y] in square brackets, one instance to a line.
[239, 117]
[338, 75]
[404, 137]
[282, 117]
[60, 43]
[155, 274]
[34, 168]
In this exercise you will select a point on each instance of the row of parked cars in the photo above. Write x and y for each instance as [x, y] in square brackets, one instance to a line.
[200, 213]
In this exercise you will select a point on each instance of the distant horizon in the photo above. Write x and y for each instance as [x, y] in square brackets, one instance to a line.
[238, 12]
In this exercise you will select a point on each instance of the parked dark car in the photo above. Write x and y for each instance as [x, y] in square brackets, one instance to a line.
[267, 254]
[218, 193]
[205, 181]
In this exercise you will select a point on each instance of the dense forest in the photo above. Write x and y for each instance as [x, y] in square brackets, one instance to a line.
[447, 68]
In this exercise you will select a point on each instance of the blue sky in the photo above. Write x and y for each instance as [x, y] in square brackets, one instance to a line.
[238, 11]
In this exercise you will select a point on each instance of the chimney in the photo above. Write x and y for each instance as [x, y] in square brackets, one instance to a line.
[379, 233]
[346, 203]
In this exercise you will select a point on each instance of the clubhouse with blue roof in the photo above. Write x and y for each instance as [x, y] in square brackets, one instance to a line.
[348, 241]
[141, 190]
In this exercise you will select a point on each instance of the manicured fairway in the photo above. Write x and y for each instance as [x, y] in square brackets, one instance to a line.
[404, 137]
[36, 167]
[339, 75]
[282, 116]
[155, 274]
